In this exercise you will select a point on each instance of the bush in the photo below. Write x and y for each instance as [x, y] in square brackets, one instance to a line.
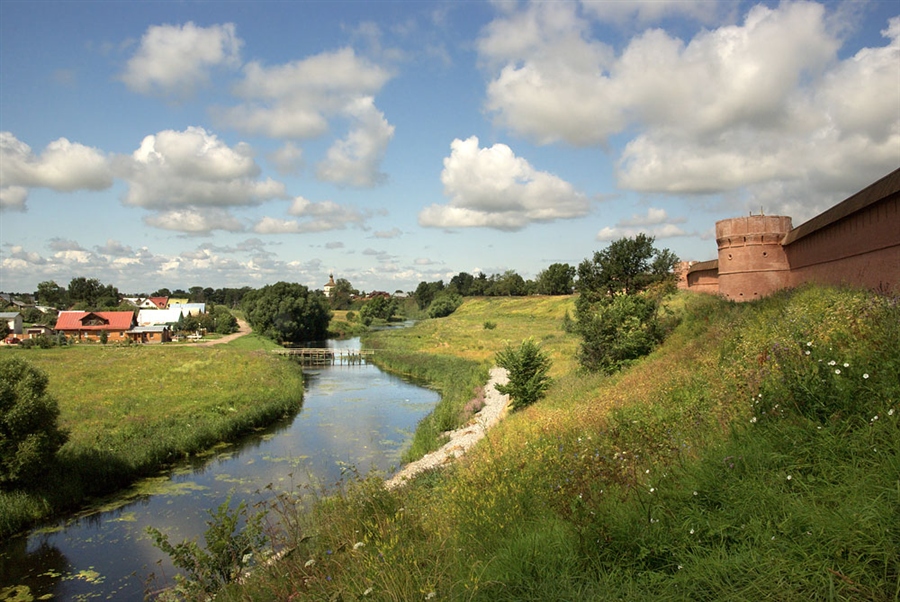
[444, 305]
[528, 367]
[623, 328]
[29, 435]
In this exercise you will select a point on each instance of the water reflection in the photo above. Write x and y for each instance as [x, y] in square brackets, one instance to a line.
[353, 415]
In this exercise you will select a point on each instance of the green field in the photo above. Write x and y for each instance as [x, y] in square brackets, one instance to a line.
[729, 465]
[131, 410]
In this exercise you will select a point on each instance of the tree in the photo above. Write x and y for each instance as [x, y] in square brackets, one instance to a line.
[617, 309]
[463, 283]
[528, 368]
[558, 279]
[426, 292]
[628, 265]
[29, 434]
[342, 294]
[378, 307]
[52, 294]
[287, 312]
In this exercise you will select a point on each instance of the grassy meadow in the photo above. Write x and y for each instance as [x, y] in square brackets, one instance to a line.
[754, 456]
[131, 410]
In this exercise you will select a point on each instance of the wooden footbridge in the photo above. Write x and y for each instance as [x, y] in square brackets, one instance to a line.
[321, 355]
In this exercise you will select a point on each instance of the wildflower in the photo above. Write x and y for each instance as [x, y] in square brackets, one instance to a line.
[358, 545]
[891, 412]
[309, 562]
[680, 567]
[837, 370]
[832, 363]
[809, 343]
[368, 591]
[789, 477]
[807, 352]
[846, 365]
[430, 595]
[753, 419]
[876, 418]
[866, 375]
[692, 531]
[695, 493]
[652, 490]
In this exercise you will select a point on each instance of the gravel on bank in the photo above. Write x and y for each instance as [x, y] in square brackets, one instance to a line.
[461, 439]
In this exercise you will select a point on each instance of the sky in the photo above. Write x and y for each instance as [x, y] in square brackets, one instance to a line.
[226, 144]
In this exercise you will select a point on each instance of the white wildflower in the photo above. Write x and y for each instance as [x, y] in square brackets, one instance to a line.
[891, 412]
[866, 375]
[753, 419]
[358, 545]
[789, 477]
[309, 562]
[837, 370]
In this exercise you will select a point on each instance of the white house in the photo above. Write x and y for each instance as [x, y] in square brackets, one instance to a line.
[13, 321]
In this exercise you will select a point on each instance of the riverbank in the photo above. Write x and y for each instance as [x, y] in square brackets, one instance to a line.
[462, 439]
[133, 410]
[752, 456]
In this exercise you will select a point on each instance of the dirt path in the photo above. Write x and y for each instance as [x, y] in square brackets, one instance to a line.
[243, 328]
[463, 438]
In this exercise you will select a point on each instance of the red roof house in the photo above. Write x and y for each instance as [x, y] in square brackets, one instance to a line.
[88, 325]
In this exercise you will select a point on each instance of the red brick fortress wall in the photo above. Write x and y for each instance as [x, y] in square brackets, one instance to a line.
[752, 262]
[860, 247]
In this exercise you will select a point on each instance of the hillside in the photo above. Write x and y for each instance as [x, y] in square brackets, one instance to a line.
[755, 455]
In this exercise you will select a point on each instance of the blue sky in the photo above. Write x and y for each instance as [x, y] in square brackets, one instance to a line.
[176, 144]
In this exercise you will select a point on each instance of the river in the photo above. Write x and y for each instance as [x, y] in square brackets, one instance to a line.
[352, 416]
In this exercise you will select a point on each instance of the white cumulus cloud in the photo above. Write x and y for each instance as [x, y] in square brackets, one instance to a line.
[63, 166]
[491, 187]
[173, 59]
[193, 168]
[355, 160]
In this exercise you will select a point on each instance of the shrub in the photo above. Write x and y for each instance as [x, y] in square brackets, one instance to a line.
[444, 305]
[228, 550]
[489, 325]
[624, 328]
[528, 369]
[29, 435]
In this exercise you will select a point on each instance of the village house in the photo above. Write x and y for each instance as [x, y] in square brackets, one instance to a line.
[13, 320]
[89, 325]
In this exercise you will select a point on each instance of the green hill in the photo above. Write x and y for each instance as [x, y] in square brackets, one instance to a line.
[755, 455]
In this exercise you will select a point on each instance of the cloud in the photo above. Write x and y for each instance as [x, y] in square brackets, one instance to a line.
[355, 160]
[650, 11]
[656, 223]
[288, 159]
[761, 106]
[296, 100]
[63, 166]
[491, 187]
[193, 169]
[195, 220]
[323, 217]
[173, 60]
[392, 233]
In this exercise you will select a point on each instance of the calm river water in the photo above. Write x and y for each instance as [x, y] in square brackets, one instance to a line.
[353, 415]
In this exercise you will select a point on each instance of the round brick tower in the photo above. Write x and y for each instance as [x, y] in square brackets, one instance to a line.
[752, 262]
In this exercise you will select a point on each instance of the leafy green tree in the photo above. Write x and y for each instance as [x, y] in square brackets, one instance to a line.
[29, 433]
[342, 294]
[379, 307]
[528, 368]
[617, 310]
[51, 294]
[558, 279]
[426, 292]
[462, 283]
[628, 265]
[287, 312]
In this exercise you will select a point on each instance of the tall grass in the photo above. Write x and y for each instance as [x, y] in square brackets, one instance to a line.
[728, 465]
[131, 411]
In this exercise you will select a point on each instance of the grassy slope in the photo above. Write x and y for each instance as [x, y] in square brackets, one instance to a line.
[727, 465]
[131, 410]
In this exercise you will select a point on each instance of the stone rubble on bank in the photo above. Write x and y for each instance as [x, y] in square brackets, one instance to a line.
[463, 438]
